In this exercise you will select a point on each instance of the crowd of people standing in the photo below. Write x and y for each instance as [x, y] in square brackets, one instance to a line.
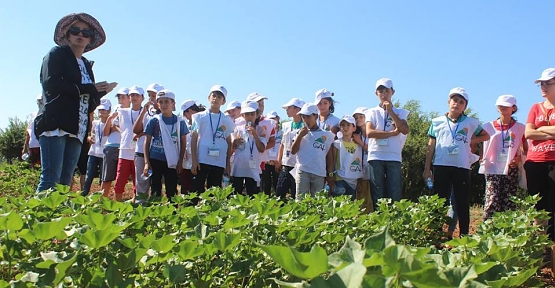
[358, 155]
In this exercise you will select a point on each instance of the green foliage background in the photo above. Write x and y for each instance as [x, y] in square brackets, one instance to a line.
[12, 139]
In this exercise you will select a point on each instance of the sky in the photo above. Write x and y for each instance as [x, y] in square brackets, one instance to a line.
[285, 49]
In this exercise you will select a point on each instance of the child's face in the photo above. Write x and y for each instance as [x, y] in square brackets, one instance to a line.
[216, 100]
[324, 105]
[261, 106]
[548, 88]
[103, 114]
[234, 113]
[166, 105]
[136, 99]
[124, 100]
[152, 98]
[347, 128]
[384, 94]
[360, 119]
[457, 104]
[309, 120]
[505, 111]
[249, 117]
[292, 111]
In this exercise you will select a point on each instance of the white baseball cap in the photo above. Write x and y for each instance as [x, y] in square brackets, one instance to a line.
[154, 87]
[321, 94]
[249, 106]
[297, 102]
[39, 97]
[385, 82]
[256, 97]
[187, 104]
[165, 93]
[105, 104]
[272, 115]
[349, 119]
[506, 101]
[459, 91]
[360, 110]
[219, 88]
[122, 91]
[308, 109]
[547, 75]
[137, 90]
[232, 105]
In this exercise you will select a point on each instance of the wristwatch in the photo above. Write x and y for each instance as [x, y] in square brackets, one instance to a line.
[331, 174]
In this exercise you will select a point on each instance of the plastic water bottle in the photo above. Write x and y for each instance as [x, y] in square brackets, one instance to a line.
[225, 181]
[25, 156]
[327, 188]
[430, 183]
[338, 191]
[145, 177]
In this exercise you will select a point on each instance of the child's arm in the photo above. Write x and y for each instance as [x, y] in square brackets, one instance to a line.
[228, 156]
[371, 132]
[539, 133]
[194, 153]
[298, 139]
[429, 154]
[182, 148]
[108, 127]
[330, 167]
[138, 126]
[358, 140]
[147, 154]
[481, 137]
[259, 145]
[280, 157]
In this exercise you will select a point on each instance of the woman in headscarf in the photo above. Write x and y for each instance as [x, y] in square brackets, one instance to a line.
[70, 96]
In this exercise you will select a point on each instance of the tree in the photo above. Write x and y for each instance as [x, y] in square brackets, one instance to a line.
[12, 139]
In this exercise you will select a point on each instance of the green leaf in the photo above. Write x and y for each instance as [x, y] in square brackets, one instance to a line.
[113, 276]
[226, 241]
[97, 221]
[54, 200]
[49, 230]
[175, 273]
[164, 244]
[236, 221]
[62, 269]
[98, 238]
[11, 221]
[351, 252]
[379, 241]
[305, 265]
[352, 275]
[189, 249]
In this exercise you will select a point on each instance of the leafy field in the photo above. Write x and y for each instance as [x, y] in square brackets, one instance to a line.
[61, 238]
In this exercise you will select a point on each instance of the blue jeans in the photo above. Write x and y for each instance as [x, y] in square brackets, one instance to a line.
[59, 156]
[348, 189]
[94, 164]
[453, 212]
[385, 180]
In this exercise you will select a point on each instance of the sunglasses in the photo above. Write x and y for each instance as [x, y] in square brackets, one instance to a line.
[76, 30]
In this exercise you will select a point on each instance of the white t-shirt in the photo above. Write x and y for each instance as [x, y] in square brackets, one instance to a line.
[140, 148]
[350, 162]
[188, 157]
[313, 149]
[501, 148]
[269, 126]
[33, 141]
[97, 147]
[289, 134]
[365, 164]
[213, 130]
[388, 149]
[127, 118]
[247, 152]
[273, 152]
[330, 122]
[453, 140]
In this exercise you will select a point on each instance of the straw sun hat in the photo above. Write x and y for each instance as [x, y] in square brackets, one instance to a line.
[60, 34]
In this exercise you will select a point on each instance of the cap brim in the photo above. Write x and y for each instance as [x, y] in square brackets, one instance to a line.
[247, 110]
[504, 104]
[102, 107]
[542, 80]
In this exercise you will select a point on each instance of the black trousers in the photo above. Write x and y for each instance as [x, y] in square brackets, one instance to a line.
[239, 183]
[269, 178]
[159, 169]
[447, 177]
[540, 180]
[209, 174]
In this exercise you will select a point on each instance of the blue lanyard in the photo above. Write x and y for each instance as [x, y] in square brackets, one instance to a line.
[325, 119]
[252, 145]
[505, 134]
[451, 130]
[212, 126]
[385, 116]
[99, 134]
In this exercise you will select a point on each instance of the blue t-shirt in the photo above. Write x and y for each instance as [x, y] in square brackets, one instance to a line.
[153, 129]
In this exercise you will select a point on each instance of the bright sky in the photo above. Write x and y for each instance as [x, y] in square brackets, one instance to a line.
[288, 48]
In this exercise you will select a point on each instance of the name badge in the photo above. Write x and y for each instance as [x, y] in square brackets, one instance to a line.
[382, 142]
[133, 144]
[453, 149]
[213, 152]
[502, 156]
[253, 164]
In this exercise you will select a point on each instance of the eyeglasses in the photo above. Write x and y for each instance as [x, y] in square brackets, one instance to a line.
[76, 30]
[546, 84]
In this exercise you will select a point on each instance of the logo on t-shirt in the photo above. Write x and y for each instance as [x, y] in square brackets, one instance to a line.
[462, 135]
[509, 141]
[355, 166]
[351, 149]
[220, 132]
[320, 143]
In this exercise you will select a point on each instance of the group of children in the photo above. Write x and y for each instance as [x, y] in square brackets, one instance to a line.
[358, 155]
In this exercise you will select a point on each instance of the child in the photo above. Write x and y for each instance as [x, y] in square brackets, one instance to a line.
[233, 110]
[312, 147]
[326, 106]
[363, 187]
[449, 146]
[148, 111]
[126, 162]
[165, 146]
[113, 138]
[249, 142]
[347, 160]
[270, 174]
[386, 127]
[188, 109]
[211, 142]
[286, 161]
[97, 144]
[501, 157]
